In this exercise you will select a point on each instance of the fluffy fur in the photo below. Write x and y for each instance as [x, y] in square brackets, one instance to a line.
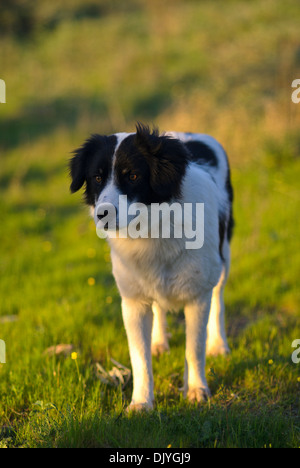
[157, 275]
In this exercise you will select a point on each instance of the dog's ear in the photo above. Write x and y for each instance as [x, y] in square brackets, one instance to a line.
[79, 162]
[167, 158]
[77, 171]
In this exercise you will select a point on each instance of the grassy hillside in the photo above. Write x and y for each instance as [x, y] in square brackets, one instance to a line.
[223, 68]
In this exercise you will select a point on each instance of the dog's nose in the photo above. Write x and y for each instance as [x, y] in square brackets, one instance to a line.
[101, 216]
[105, 213]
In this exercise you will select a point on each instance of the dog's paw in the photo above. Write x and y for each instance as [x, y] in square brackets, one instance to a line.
[159, 348]
[217, 349]
[139, 407]
[198, 395]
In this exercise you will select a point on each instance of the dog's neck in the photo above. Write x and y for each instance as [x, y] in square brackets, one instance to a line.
[139, 251]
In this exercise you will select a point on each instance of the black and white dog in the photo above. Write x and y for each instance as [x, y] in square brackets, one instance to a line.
[155, 275]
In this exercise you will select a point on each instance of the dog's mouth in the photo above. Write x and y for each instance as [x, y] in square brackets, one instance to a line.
[102, 216]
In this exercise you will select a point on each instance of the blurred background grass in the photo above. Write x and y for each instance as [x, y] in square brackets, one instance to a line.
[75, 68]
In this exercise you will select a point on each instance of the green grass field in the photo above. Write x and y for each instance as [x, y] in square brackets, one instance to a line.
[223, 68]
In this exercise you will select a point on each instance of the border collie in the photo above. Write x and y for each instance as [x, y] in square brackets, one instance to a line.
[155, 275]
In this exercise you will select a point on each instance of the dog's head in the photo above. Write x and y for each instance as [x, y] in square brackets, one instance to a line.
[144, 166]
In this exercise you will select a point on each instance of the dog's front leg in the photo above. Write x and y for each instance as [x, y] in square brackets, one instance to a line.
[196, 317]
[138, 319]
[159, 331]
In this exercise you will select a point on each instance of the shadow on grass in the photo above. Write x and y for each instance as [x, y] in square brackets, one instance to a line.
[42, 119]
[36, 172]
[31, 18]
[35, 121]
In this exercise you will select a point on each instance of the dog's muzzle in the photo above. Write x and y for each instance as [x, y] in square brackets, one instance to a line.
[105, 216]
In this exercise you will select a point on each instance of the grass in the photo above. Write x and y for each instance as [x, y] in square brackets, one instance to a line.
[224, 69]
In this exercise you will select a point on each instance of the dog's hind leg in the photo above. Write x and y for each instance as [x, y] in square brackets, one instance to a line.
[216, 335]
[160, 342]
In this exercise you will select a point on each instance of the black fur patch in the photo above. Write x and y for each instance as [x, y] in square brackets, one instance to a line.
[229, 190]
[222, 232]
[200, 153]
[158, 162]
[93, 158]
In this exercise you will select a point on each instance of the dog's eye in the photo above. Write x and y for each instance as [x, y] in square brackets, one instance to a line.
[98, 179]
[132, 177]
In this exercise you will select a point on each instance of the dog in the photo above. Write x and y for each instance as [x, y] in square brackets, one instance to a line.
[155, 275]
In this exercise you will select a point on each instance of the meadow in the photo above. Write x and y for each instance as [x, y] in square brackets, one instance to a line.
[72, 69]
